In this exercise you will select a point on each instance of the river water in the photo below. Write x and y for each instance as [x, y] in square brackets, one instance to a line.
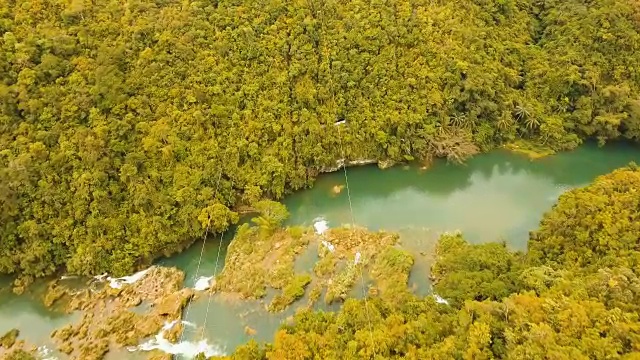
[498, 196]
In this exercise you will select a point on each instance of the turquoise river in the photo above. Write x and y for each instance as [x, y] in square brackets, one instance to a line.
[497, 196]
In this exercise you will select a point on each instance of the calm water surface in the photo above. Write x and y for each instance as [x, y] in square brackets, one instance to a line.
[494, 197]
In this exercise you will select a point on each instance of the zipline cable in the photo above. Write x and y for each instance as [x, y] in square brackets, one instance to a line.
[204, 242]
[353, 227]
[215, 270]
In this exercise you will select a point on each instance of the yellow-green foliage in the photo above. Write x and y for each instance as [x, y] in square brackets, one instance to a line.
[480, 272]
[336, 270]
[262, 256]
[326, 265]
[532, 150]
[572, 297]
[391, 272]
[129, 128]
[348, 241]
[290, 293]
[340, 285]
[598, 225]
[315, 293]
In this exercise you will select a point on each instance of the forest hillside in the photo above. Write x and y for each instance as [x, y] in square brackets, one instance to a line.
[574, 295]
[129, 129]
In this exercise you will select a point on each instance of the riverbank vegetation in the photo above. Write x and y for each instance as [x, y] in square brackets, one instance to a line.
[127, 130]
[264, 256]
[575, 294]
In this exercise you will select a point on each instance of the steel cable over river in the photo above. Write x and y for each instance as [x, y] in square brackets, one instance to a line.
[494, 196]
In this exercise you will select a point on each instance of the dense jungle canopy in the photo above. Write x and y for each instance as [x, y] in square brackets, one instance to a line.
[575, 295]
[127, 128]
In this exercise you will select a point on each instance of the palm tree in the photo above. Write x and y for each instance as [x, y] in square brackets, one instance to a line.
[531, 123]
[521, 112]
[459, 120]
[505, 122]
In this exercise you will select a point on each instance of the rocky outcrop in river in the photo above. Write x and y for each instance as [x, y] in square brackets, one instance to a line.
[120, 315]
[382, 164]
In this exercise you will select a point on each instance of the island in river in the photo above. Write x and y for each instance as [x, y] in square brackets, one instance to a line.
[130, 129]
[495, 196]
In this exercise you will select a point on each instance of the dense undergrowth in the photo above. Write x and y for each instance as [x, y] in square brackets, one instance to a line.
[574, 295]
[127, 129]
[263, 257]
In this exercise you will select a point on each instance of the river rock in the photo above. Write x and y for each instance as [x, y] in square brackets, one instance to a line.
[8, 339]
[250, 331]
[171, 306]
[54, 293]
[159, 355]
[107, 316]
[340, 163]
[19, 349]
[385, 164]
